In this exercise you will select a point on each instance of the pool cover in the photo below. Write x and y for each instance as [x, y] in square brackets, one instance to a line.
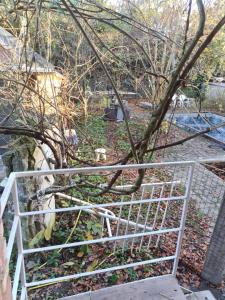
[195, 122]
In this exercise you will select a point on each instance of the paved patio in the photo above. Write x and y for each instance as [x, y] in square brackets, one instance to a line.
[207, 188]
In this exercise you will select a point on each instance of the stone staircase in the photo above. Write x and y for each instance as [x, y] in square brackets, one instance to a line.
[160, 288]
[203, 295]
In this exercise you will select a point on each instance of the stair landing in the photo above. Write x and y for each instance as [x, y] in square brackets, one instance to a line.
[158, 288]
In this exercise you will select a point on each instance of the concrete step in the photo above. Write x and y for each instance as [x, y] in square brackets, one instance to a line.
[203, 295]
[158, 288]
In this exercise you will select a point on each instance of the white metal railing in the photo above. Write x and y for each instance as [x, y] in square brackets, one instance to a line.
[137, 222]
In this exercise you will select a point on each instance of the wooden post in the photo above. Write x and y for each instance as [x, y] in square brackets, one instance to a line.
[214, 265]
[5, 281]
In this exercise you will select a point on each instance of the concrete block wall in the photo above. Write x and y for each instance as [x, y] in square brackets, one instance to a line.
[2, 169]
[5, 280]
[214, 265]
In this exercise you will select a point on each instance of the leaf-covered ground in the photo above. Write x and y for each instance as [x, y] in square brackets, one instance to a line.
[190, 266]
[96, 256]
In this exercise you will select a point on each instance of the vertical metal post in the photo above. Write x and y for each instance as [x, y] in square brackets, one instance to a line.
[183, 218]
[19, 237]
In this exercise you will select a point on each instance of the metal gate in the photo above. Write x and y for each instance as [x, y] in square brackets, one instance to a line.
[125, 231]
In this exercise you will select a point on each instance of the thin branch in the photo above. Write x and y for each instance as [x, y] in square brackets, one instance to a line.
[203, 46]
[106, 72]
[187, 138]
[187, 25]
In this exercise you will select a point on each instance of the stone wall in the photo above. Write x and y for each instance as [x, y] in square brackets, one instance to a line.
[5, 281]
[33, 158]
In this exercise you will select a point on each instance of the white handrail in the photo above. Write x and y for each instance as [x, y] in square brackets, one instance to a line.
[6, 193]
[104, 210]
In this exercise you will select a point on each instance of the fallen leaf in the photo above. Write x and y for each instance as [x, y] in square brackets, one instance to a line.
[89, 236]
[68, 264]
[80, 254]
[92, 266]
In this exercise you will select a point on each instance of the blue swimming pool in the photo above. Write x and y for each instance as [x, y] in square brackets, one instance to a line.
[194, 122]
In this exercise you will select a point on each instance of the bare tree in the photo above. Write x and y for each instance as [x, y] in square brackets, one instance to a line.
[165, 61]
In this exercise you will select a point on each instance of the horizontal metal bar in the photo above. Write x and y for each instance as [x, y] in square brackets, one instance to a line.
[116, 167]
[74, 276]
[211, 160]
[91, 206]
[6, 193]
[87, 170]
[102, 240]
[17, 277]
[151, 184]
[12, 238]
